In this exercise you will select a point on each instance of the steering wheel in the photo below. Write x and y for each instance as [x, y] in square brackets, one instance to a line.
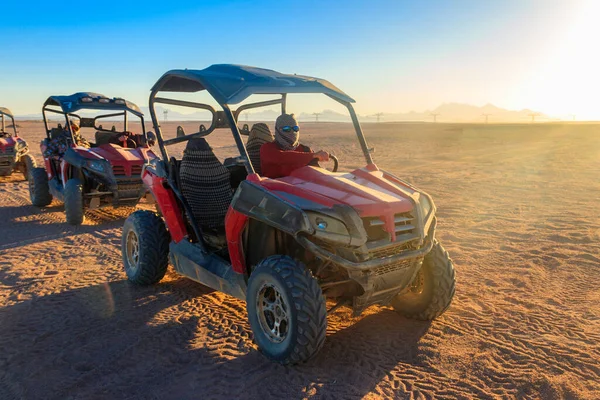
[128, 141]
[131, 142]
[336, 162]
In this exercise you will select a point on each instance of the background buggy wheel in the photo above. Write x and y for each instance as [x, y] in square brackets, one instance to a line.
[286, 310]
[74, 202]
[432, 290]
[28, 165]
[145, 248]
[39, 191]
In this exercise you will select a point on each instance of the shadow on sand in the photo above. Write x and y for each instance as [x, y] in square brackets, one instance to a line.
[118, 341]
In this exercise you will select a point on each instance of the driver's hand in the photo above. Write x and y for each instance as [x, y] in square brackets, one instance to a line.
[322, 155]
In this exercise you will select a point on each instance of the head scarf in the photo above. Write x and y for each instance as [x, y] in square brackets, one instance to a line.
[259, 135]
[74, 126]
[286, 140]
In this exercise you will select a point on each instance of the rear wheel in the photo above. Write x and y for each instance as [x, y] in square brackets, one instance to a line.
[74, 202]
[145, 248]
[286, 309]
[432, 290]
[28, 165]
[39, 191]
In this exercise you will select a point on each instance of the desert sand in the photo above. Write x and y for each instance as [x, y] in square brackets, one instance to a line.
[517, 210]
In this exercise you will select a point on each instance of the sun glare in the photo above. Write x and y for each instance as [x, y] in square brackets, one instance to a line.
[569, 81]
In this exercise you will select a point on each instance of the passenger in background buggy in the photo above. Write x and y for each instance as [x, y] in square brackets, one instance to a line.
[58, 145]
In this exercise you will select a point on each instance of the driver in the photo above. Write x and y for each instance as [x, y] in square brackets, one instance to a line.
[286, 154]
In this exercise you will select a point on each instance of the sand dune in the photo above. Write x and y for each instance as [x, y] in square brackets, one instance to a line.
[518, 212]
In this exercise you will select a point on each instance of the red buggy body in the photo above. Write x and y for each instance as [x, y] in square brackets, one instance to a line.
[14, 152]
[362, 237]
[90, 175]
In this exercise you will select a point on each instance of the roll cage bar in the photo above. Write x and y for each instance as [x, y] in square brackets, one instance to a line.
[268, 82]
[85, 122]
[69, 105]
[5, 113]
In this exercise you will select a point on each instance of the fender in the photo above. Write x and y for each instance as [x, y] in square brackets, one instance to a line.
[166, 202]
[252, 200]
[74, 158]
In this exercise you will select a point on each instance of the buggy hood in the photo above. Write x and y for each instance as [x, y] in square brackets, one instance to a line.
[372, 193]
[118, 156]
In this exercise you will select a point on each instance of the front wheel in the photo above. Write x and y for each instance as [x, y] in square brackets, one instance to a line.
[286, 309]
[145, 248]
[432, 290]
[39, 191]
[74, 202]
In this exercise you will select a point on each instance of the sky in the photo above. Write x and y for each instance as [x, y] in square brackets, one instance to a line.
[390, 56]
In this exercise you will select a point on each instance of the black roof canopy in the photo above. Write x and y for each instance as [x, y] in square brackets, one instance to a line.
[91, 101]
[232, 84]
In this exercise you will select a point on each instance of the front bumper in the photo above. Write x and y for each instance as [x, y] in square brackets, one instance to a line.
[380, 278]
[118, 190]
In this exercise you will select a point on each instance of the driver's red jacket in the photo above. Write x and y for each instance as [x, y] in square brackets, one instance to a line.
[276, 163]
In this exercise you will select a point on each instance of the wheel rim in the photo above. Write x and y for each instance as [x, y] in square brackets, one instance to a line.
[133, 249]
[272, 313]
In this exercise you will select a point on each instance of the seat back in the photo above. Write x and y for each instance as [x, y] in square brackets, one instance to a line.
[56, 132]
[105, 137]
[205, 184]
[259, 135]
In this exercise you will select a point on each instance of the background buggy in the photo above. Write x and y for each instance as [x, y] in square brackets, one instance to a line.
[90, 175]
[14, 152]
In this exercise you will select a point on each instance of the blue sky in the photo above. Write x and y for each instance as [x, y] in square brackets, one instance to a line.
[390, 56]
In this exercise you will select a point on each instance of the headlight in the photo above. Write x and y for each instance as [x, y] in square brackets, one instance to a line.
[98, 166]
[328, 228]
[425, 205]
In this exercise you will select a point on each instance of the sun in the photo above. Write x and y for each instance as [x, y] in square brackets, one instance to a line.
[568, 82]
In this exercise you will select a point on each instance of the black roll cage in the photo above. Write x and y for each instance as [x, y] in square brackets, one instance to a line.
[90, 122]
[3, 123]
[228, 118]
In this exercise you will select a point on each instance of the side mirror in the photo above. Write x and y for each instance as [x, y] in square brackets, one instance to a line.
[245, 131]
[180, 131]
[201, 128]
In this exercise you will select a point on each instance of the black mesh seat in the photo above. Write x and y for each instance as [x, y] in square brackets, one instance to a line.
[205, 184]
[259, 135]
[105, 137]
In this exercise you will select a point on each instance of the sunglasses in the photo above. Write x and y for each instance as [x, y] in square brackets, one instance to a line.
[290, 128]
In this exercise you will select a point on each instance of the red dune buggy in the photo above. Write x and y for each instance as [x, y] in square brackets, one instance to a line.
[283, 245]
[86, 174]
[14, 152]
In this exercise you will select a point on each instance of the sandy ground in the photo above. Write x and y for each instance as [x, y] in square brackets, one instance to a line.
[518, 212]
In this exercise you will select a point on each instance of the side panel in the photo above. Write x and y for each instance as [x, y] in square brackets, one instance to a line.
[234, 226]
[207, 268]
[167, 203]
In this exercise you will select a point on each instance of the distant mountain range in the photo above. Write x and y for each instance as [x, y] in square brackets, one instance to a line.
[447, 112]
